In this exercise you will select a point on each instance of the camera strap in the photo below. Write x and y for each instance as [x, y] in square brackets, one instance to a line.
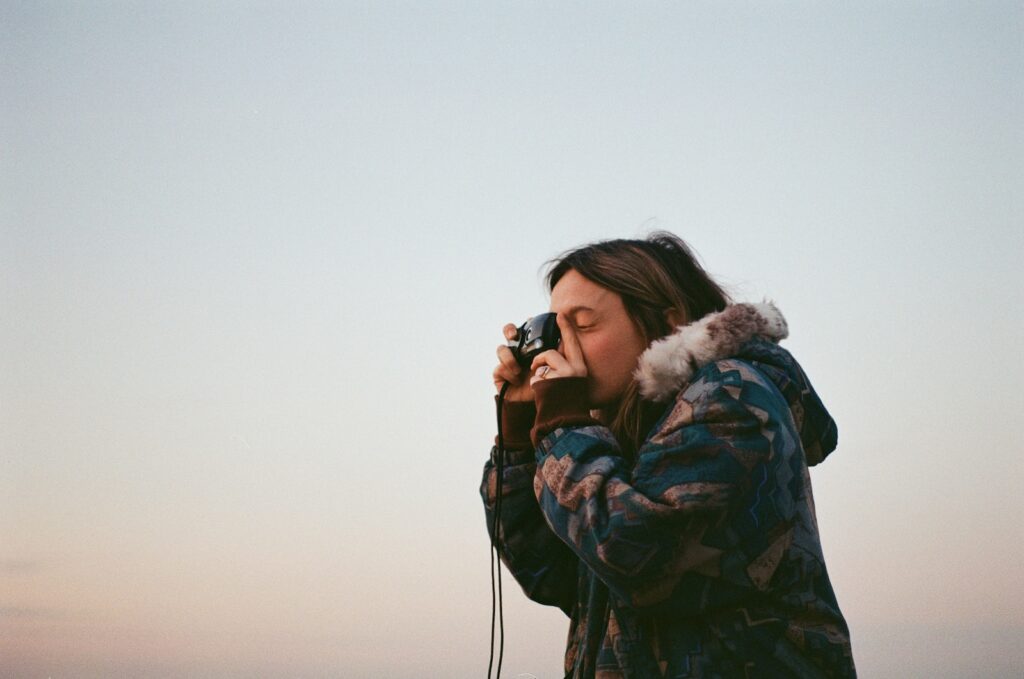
[496, 542]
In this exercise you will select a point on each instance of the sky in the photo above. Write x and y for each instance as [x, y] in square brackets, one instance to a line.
[255, 259]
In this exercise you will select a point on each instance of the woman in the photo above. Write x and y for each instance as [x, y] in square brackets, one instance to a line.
[656, 485]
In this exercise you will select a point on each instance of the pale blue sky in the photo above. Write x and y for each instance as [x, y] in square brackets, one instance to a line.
[255, 258]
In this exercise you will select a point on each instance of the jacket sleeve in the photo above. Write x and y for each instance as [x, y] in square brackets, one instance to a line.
[656, 532]
[541, 563]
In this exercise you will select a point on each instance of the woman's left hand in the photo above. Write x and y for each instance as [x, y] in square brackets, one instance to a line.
[553, 363]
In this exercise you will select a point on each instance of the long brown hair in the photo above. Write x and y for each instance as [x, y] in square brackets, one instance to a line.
[658, 277]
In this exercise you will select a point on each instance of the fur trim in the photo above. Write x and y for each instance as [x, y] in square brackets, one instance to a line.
[670, 362]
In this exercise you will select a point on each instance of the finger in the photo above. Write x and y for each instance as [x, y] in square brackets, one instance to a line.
[544, 372]
[510, 331]
[570, 343]
[508, 359]
[503, 374]
[553, 360]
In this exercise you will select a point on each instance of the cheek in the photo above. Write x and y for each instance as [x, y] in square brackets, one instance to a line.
[611, 359]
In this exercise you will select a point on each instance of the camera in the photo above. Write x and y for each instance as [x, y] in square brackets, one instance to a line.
[536, 335]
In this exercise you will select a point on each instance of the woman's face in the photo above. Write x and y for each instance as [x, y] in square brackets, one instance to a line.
[610, 341]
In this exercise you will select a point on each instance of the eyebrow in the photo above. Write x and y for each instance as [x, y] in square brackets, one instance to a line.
[577, 309]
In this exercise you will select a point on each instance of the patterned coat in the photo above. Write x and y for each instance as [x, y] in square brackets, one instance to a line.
[701, 558]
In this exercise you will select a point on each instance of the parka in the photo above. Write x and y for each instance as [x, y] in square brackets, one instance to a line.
[699, 556]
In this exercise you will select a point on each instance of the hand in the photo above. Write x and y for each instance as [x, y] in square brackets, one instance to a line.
[568, 362]
[508, 370]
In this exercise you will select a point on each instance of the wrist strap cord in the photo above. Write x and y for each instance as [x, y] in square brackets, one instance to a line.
[496, 542]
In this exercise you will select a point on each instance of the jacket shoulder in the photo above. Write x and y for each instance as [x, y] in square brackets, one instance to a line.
[728, 390]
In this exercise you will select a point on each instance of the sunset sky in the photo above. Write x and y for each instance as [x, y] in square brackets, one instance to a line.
[255, 259]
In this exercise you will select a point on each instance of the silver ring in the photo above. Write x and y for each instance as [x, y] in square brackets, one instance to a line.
[542, 371]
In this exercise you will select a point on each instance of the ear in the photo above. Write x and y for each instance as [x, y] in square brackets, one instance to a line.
[674, 318]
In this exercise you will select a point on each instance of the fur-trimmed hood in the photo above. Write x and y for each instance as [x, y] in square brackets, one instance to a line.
[749, 332]
[670, 362]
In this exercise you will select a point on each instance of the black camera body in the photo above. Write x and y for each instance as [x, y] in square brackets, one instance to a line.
[535, 336]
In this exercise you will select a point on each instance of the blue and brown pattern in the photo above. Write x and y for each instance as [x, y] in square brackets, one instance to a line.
[702, 557]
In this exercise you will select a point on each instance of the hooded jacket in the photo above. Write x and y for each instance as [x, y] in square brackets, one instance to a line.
[700, 556]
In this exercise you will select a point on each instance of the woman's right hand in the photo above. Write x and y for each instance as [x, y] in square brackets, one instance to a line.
[508, 370]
